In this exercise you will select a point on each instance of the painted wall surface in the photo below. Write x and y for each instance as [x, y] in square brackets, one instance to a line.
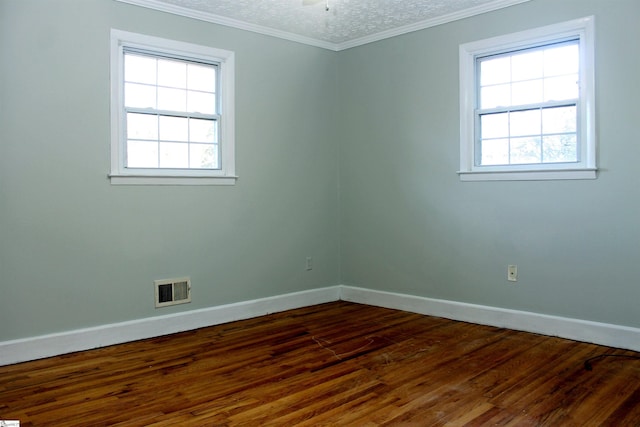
[76, 251]
[409, 225]
[348, 157]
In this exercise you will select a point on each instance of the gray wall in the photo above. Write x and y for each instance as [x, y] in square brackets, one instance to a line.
[348, 157]
[410, 226]
[76, 251]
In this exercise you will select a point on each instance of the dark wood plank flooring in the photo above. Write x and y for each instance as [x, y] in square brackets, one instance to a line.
[336, 364]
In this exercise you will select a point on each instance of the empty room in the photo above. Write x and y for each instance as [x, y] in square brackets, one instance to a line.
[312, 212]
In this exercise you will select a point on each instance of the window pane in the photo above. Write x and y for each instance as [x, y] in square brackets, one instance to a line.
[172, 99]
[530, 77]
[203, 130]
[561, 88]
[171, 109]
[495, 152]
[560, 148]
[142, 154]
[529, 92]
[559, 120]
[527, 66]
[495, 96]
[201, 77]
[562, 60]
[525, 150]
[142, 126]
[494, 125]
[174, 155]
[525, 123]
[139, 96]
[204, 156]
[201, 102]
[139, 69]
[174, 128]
[172, 73]
[494, 71]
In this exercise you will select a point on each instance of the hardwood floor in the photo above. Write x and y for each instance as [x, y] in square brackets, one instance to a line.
[332, 364]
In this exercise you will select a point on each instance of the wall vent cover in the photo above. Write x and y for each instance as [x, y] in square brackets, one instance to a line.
[172, 291]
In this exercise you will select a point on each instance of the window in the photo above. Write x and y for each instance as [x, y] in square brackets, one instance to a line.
[172, 112]
[527, 105]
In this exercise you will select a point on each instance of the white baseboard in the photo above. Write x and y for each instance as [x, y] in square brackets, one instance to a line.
[22, 350]
[575, 329]
[101, 336]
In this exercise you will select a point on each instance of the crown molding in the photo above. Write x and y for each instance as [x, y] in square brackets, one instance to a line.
[229, 22]
[260, 29]
[428, 23]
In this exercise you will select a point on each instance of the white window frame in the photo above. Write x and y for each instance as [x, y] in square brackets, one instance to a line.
[585, 167]
[120, 174]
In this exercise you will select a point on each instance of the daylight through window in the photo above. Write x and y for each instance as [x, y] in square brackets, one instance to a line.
[172, 112]
[527, 105]
[527, 109]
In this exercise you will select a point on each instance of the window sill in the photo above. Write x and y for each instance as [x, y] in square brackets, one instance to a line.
[528, 175]
[171, 180]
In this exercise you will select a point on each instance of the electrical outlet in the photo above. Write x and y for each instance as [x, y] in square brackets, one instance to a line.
[512, 273]
[309, 263]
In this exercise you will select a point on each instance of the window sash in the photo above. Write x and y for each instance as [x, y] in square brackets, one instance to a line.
[134, 51]
[538, 72]
[189, 139]
[479, 140]
[155, 145]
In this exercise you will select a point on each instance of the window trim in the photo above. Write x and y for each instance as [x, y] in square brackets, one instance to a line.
[585, 168]
[121, 175]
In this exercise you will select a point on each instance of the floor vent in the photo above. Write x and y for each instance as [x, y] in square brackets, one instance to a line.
[172, 291]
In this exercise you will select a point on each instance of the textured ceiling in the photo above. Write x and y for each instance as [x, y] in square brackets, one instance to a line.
[347, 23]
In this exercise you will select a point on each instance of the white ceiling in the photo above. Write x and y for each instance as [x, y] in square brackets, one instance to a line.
[346, 24]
